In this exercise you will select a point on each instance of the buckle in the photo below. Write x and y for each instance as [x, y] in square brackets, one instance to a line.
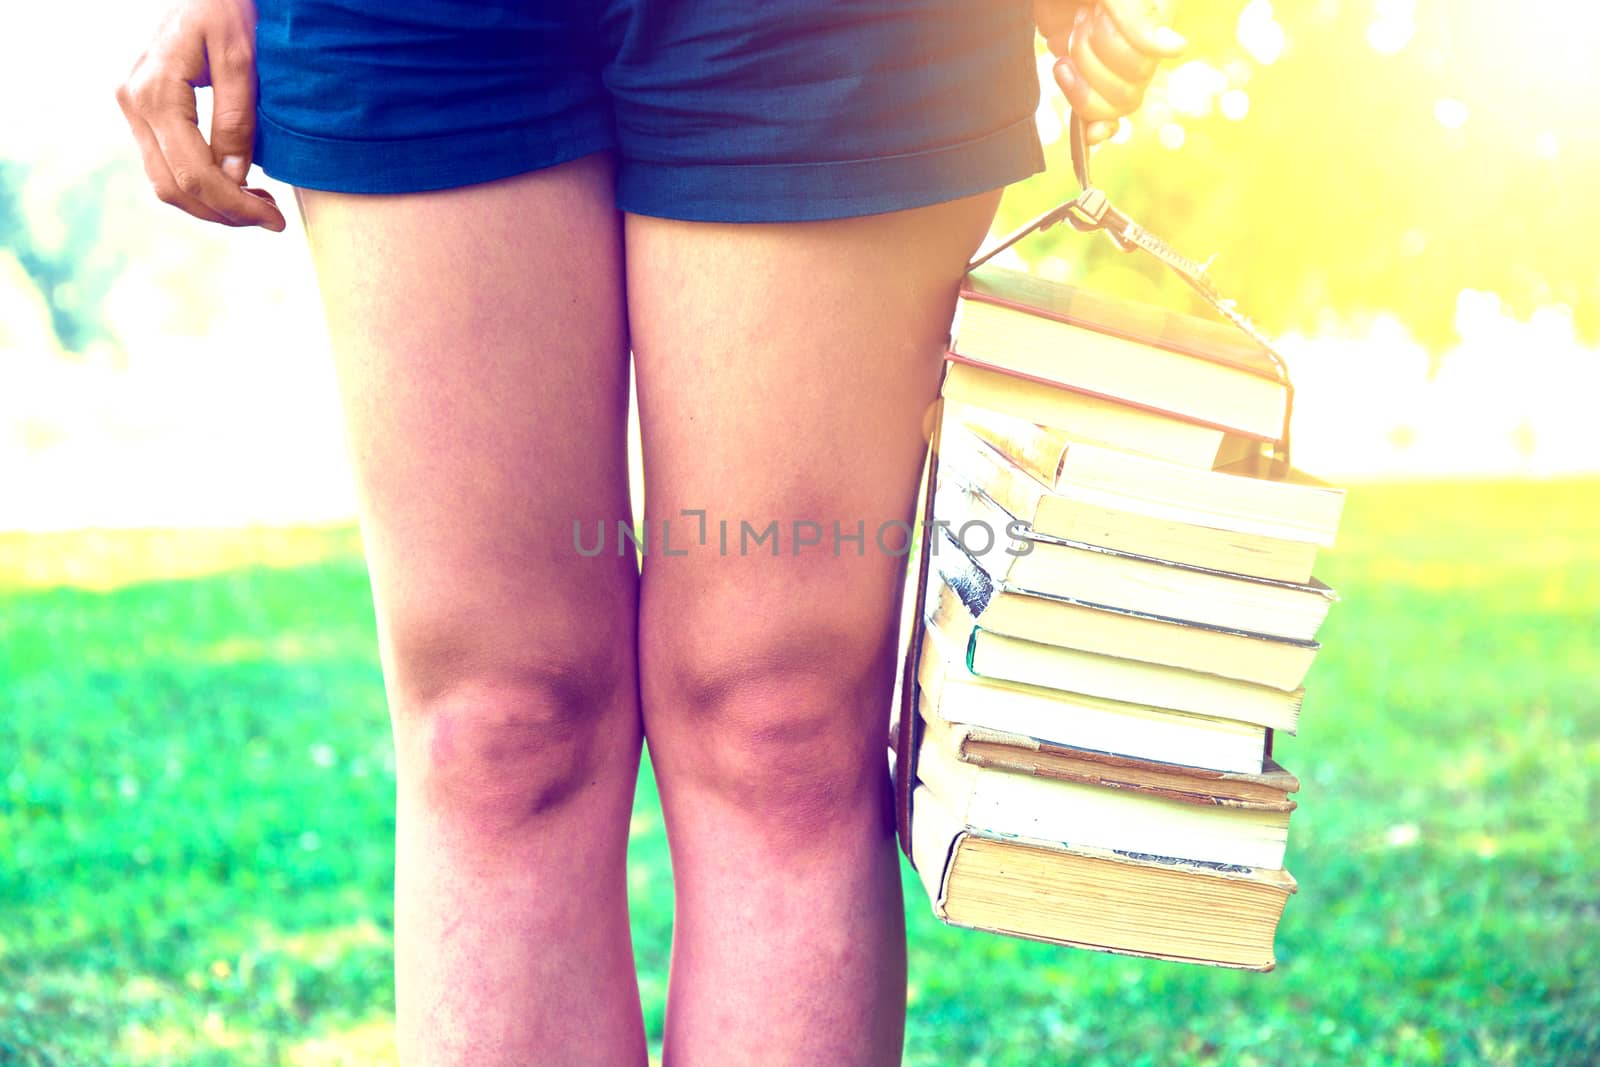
[1091, 210]
[1087, 210]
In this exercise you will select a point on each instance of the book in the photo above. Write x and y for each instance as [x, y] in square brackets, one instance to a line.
[1087, 517]
[1082, 721]
[1199, 371]
[1050, 566]
[1090, 418]
[1258, 496]
[1215, 519]
[1096, 899]
[1056, 811]
[1057, 620]
[1040, 448]
[1028, 755]
[1060, 719]
[1013, 659]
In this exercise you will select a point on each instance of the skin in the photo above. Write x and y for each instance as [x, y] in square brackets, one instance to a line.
[481, 339]
[1106, 54]
[766, 679]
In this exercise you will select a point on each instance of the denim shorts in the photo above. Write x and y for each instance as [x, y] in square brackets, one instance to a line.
[716, 110]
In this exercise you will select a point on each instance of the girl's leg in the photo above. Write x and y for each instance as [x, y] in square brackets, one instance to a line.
[481, 350]
[784, 371]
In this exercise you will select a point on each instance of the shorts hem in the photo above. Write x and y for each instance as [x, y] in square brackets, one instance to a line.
[426, 164]
[803, 192]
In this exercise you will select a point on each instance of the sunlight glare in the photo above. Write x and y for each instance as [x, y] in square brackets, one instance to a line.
[1260, 34]
[1452, 114]
[1393, 27]
[1192, 87]
[1048, 117]
[1477, 313]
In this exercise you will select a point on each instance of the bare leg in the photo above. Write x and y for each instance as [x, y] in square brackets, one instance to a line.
[783, 374]
[481, 351]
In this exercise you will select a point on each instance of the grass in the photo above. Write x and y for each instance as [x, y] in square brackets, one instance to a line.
[196, 817]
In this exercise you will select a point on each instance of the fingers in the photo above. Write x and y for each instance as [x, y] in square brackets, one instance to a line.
[200, 45]
[1086, 102]
[1143, 24]
[1096, 132]
[172, 119]
[1086, 82]
[155, 164]
[1109, 57]
[1100, 92]
[1100, 36]
[233, 104]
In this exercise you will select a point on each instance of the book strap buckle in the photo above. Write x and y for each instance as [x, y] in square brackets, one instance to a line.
[1092, 210]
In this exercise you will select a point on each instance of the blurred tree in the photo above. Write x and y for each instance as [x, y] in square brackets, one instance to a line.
[66, 249]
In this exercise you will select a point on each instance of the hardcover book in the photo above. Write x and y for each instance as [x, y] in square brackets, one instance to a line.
[1078, 570]
[1019, 754]
[952, 693]
[1100, 899]
[1256, 517]
[1196, 370]
[1065, 811]
[1002, 608]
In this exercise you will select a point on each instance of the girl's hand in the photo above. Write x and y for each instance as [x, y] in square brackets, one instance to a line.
[1106, 53]
[201, 42]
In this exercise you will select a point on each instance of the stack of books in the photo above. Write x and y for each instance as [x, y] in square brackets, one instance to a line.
[1116, 612]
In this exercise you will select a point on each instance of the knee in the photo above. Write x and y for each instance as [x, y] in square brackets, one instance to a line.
[787, 723]
[502, 752]
[507, 739]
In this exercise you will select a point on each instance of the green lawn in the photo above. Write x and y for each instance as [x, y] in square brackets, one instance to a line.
[195, 818]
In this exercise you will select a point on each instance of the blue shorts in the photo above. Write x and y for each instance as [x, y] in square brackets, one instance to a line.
[717, 110]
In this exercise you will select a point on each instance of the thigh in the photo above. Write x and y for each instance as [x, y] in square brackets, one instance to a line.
[480, 345]
[784, 371]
